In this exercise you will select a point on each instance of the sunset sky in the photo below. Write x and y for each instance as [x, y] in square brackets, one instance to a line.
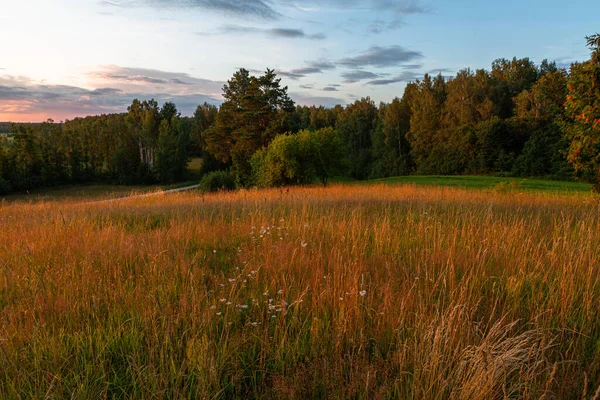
[67, 58]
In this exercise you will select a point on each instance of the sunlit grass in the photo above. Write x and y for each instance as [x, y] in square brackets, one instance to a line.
[341, 292]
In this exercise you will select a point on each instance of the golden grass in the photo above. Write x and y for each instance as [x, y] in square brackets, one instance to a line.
[339, 292]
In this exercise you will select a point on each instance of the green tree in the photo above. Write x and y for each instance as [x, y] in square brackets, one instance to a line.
[543, 154]
[391, 148]
[426, 101]
[511, 77]
[544, 101]
[204, 117]
[5, 186]
[168, 111]
[356, 126]
[288, 160]
[330, 159]
[255, 110]
[171, 156]
[467, 100]
[143, 119]
[541, 110]
[583, 108]
[25, 159]
[298, 159]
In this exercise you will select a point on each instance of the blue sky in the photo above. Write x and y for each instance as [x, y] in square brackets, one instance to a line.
[68, 58]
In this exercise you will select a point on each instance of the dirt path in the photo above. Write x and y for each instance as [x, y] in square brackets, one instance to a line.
[138, 196]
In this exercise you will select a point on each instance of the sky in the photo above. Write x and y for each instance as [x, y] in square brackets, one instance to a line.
[63, 59]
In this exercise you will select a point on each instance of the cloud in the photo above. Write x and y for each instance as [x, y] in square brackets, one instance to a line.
[406, 7]
[439, 71]
[109, 3]
[22, 99]
[268, 9]
[148, 80]
[381, 57]
[303, 100]
[388, 14]
[312, 67]
[358, 75]
[308, 86]
[307, 70]
[238, 8]
[321, 64]
[329, 89]
[411, 66]
[403, 77]
[290, 74]
[281, 33]
[380, 26]
[294, 33]
[400, 7]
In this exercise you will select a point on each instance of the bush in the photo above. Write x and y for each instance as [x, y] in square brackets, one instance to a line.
[260, 176]
[215, 181]
[298, 159]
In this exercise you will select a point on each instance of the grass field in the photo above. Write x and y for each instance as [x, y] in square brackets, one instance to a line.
[490, 182]
[467, 182]
[354, 291]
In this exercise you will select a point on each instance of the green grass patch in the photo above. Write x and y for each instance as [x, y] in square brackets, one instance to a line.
[487, 182]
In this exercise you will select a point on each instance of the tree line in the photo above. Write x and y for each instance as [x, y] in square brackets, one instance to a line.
[146, 144]
[516, 119]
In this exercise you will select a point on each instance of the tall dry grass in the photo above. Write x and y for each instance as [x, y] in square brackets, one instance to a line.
[339, 292]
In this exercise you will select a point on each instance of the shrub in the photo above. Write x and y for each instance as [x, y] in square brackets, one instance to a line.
[298, 159]
[215, 181]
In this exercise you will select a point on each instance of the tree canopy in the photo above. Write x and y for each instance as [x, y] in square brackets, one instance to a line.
[255, 111]
[583, 107]
[517, 118]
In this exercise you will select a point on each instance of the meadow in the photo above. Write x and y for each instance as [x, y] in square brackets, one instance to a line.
[347, 291]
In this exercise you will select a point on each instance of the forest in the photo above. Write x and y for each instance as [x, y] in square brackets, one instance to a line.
[516, 119]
